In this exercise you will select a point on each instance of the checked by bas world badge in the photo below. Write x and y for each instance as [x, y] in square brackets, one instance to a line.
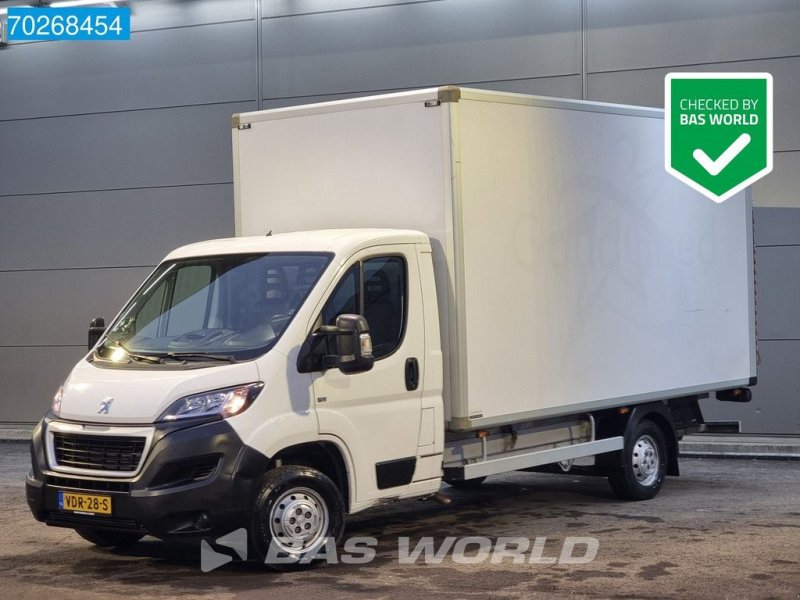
[718, 130]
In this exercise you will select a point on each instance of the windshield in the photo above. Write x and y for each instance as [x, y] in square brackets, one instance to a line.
[232, 307]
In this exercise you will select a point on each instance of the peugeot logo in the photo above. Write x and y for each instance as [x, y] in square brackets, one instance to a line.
[105, 405]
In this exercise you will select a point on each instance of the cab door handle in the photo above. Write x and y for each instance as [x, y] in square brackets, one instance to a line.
[412, 374]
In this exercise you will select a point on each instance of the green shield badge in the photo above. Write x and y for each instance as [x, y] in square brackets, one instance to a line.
[718, 130]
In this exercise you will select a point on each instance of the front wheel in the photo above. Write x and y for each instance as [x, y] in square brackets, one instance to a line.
[644, 463]
[298, 515]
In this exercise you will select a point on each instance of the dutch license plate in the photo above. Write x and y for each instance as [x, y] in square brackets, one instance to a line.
[89, 504]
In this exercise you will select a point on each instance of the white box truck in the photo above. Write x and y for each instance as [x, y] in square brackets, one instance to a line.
[438, 285]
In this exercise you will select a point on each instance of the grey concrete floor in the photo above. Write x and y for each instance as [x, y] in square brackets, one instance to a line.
[724, 529]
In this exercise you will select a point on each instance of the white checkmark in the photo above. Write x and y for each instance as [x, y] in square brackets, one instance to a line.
[714, 167]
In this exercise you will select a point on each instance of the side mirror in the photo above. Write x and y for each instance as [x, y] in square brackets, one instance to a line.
[353, 344]
[97, 328]
[346, 346]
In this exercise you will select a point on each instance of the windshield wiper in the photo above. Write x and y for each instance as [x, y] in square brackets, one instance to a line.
[156, 360]
[148, 358]
[199, 357]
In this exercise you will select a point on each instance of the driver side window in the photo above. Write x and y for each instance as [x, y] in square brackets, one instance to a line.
[375, 289]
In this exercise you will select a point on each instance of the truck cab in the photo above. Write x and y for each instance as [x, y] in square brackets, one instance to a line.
[193, 393]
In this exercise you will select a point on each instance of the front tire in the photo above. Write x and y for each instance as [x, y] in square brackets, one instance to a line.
[644, 463]
[297, 514]
[109, 539]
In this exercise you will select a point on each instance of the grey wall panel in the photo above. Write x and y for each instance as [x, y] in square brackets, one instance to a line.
[156, 14]
[631, 34]
[110, 229]
[174, 146]
[646, 88]
[782, 186]
[777, 226]
[776, 399]
[53, 308]
[778, 281]
[567, 86]
[284, 8]
[417, 45]
[172, 67]
[269, 103]
[29, 378]
[192, 52]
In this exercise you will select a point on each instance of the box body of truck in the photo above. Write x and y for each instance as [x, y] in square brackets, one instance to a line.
[573, 273]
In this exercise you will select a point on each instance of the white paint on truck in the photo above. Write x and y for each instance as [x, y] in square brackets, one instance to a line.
[434, 285]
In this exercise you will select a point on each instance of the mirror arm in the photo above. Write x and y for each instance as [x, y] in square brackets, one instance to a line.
[313, 355]
[330, 361]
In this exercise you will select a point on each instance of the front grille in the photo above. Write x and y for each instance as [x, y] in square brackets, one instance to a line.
[71, 520]
[88, 484]
[98, 452]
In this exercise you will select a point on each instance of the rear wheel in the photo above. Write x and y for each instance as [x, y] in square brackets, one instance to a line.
[297, 515]
[644, 463]
[109, 539]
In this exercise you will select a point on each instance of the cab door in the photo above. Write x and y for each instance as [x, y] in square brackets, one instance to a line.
[377, 413]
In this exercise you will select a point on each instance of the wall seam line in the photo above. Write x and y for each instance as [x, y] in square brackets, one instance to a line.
[699, 64]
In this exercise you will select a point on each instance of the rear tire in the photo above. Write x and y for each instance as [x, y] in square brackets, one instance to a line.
[109, 539]
[644, 463]
[297, 513]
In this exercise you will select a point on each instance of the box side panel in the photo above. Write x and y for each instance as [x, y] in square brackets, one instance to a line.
[591, 275]
[384, 162]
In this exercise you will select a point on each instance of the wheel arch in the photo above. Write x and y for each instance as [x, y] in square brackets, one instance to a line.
[658, 413]
[326, 456]
[614, 422]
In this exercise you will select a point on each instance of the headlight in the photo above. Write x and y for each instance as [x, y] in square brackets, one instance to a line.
[225, 403]
[56, 405]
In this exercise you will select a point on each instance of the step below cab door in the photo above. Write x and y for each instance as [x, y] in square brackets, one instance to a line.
[377, 413]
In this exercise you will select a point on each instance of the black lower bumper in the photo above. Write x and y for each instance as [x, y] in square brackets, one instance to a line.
[197, 480]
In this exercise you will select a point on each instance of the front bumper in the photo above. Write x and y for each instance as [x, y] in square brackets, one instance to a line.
[197, 480]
